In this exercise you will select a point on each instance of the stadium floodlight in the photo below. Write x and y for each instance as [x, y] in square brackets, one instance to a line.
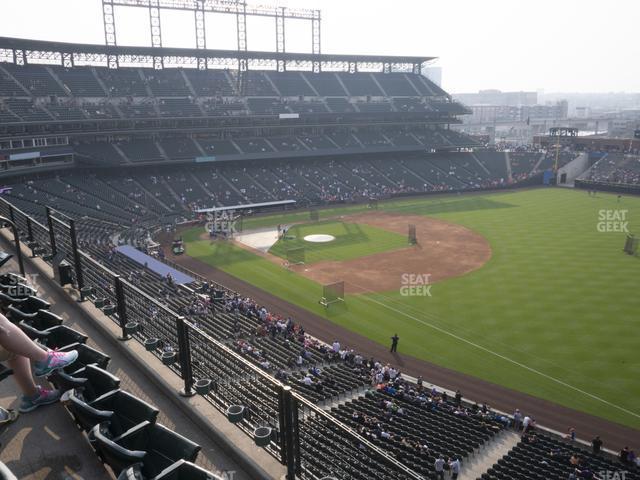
[201, 7]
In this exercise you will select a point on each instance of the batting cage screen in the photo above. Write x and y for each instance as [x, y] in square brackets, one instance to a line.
[314, 216]
[332, 293]
[413, 239]
[631, 245]
[295, 256]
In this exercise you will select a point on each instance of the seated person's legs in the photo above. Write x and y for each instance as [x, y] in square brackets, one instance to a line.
[18, 350]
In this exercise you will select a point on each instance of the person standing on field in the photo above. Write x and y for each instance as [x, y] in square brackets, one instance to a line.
[394, 343]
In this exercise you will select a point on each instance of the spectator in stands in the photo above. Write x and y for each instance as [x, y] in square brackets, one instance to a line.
[18, 351]
[454, 466]
[624, 455]
[439, 467]
[525, 424]
[596, 445]
[517, 419]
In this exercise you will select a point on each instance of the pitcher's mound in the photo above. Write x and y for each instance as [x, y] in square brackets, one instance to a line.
[319, 238]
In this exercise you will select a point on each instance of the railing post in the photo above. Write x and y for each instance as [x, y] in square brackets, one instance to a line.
[297, 465]
[184, 353]
[16, 240]
[121, 307]
[76, 254]
[11, 214]
[282, 423]
[291, 438]
[52, 235]
[29, 230]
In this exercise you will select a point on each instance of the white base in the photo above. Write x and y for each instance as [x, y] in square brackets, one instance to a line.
[319, 238]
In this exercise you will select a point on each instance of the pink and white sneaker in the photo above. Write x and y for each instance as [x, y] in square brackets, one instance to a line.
[44, 397]
[55, 361]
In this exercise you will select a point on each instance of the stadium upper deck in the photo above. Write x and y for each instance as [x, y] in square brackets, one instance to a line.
[56, 82]
[60, 105]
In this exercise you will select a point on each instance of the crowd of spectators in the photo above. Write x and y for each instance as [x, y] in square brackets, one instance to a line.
[616, 168]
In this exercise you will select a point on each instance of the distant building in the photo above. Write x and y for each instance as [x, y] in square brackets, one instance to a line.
[623, 127]
[583, 112]
[557, 111]
[516, 114]
[497, 97]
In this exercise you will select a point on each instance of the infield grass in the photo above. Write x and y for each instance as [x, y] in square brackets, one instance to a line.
[352, 240]
[554, 313]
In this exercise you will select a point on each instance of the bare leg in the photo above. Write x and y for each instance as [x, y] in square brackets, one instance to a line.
[22, 375]
[14, 340]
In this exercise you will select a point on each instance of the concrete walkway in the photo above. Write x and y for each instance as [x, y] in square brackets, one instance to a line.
[482, 461]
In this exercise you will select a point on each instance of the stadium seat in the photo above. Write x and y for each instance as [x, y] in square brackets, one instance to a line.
[40, 320]
[7, 279]
[18, 290]
[26, 304]
[119, 410]
[55, 337]
[92, 381]
[152, 444]
[5, 473]
[86, 356]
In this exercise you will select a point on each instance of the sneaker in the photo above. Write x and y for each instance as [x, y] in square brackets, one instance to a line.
[55, 361]
[7, 416]
[44, 397]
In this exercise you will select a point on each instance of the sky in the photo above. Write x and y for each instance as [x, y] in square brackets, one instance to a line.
[541, 45]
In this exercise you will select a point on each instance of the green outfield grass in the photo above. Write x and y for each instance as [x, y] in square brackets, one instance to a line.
[352, 240]
[554, 313]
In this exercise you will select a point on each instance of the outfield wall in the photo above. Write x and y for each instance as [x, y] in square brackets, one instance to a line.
[608, 187]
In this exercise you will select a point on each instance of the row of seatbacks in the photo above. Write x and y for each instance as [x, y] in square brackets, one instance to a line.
[121, 427]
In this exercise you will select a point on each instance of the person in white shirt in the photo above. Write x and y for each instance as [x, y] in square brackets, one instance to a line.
[336, 346]
[307, 380]
[438, 465]
[454, 466]
[517, 419]
[525, 423]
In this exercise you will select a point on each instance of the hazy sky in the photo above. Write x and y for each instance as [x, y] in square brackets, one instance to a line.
[551, 45]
